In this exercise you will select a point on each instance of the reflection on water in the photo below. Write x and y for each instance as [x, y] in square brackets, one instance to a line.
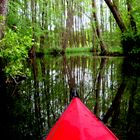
[103, 84]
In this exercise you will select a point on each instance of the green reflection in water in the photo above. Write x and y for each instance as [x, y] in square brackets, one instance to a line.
[103, 85]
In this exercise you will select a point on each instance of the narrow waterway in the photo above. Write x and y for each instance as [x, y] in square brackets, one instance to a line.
[108, 86]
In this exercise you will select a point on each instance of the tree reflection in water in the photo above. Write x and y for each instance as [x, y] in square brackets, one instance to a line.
[104, 84]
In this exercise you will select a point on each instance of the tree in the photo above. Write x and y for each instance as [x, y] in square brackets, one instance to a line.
[114, 9]
[130, 35]
[132, 20]
[102, 44]
[69, 24]
[3, 12]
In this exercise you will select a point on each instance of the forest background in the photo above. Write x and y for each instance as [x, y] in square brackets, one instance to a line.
[35, 27]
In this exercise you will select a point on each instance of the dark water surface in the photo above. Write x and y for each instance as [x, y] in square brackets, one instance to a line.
[108, 86]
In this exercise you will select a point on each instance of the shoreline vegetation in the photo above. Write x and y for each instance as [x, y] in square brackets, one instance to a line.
[55, 51]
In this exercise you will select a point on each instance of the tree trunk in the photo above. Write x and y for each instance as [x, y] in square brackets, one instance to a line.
[113, 8]
[102, 44]
[69, 25]
[132, 21]
[102, 15]
[3, 12]
[34, 38]
[33, 8]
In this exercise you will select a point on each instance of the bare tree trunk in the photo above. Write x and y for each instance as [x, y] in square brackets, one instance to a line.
[3, 12]
[102, 44]
[33, 8]
[102, 15]
[69, 25]
[113, 8]
[34, 38]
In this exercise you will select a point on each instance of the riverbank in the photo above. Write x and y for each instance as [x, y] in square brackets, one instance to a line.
[111, 51]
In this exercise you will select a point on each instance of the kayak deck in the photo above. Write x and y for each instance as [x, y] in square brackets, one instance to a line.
[77, 122]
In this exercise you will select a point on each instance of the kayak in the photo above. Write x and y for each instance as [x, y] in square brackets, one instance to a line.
[77, 122]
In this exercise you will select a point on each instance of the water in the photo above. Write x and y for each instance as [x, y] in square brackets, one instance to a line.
[108, 86]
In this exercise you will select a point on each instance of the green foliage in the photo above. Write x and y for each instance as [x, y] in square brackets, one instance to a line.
[78, 50]
[14, 47]
[136, 14]
[131, 42]
[54, 50]
[2, 18]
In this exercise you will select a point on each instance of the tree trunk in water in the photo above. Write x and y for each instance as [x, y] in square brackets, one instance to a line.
[3, 12]
[98, 88]
[71, 77]
[115, 102]
[113, 8]
[131, 124]
[37, 103]
[102, 44]
[46, 90]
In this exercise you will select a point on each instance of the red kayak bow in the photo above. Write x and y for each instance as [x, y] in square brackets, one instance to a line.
[79, 123]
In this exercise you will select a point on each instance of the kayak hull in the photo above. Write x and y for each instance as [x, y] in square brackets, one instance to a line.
[77, 122]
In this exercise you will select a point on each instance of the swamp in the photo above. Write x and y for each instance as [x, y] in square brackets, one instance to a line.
[48, 47]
